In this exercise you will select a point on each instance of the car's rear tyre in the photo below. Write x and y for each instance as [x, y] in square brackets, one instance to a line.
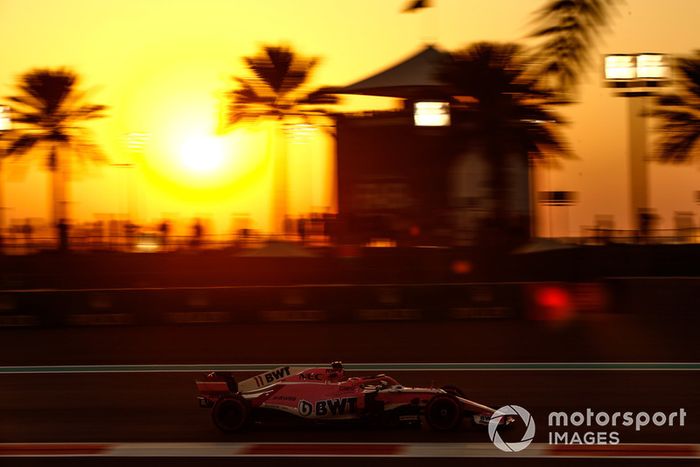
[231, 414]
[443, 413]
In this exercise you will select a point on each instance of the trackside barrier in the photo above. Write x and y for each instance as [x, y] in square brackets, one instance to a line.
[305, 303]
[671, 296]
[557, 301]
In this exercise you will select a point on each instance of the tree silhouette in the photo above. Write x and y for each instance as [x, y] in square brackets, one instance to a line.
[277, 91]
[509, 109]
[48, 111]
[568, 30]
[680, 114]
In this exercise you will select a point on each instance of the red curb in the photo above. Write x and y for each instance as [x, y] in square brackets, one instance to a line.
[52, 449]
[625, 450]
[285, 449]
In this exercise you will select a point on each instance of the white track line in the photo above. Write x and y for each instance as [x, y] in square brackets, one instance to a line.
[381, 367]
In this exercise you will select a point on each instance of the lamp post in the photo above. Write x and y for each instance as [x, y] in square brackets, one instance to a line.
[5, 125]
[129, 188]
[136, 144]
[300, 133]
[635, 76]
[558, 198]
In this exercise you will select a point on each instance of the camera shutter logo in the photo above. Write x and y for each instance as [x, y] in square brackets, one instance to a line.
[509, 410]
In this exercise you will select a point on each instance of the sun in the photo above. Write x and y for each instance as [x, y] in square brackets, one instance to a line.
[203, 154]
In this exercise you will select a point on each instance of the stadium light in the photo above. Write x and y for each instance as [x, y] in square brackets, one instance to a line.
[431, 113]
[5, 120]
[620, 67]
[635, 76]
[653, 67]
[637, 70]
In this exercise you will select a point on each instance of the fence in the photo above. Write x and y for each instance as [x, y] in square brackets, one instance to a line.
[599, 236]
[319, 303]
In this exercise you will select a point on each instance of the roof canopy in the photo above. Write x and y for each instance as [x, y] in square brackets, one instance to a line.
[414, 77]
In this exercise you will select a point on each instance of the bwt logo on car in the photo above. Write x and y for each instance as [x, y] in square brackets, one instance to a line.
[274, 375]
[327, 407]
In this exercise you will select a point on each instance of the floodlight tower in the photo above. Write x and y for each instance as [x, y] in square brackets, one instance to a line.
[5, 125]
[636, 76]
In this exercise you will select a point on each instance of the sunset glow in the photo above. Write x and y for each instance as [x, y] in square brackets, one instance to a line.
[168, 74]
[202, 154]
[193, 190]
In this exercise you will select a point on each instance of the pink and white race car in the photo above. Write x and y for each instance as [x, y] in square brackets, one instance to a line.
[325, 394]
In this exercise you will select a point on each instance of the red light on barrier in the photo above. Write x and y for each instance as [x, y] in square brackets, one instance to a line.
[461, 267]
[552, 302]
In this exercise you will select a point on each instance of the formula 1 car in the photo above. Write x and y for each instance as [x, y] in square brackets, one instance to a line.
[325, 394]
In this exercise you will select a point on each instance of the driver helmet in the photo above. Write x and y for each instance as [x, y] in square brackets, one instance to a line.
[337, 370]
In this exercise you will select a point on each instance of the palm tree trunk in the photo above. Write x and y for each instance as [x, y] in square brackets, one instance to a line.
[499, 184]
[55, 188]
[280, 181]
[496, 226]
[65, 195]
[58, 198]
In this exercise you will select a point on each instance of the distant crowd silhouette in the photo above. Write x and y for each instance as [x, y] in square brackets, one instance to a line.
[32, 236]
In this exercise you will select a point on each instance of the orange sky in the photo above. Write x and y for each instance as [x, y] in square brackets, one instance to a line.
[163, 64]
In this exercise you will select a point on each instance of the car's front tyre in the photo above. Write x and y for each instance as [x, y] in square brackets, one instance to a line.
[443, 413]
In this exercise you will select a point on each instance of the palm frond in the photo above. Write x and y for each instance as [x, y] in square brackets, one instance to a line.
[49, 87]
[276, 88]
[676, 147]
[24, 103]
[319, 97]
[49, 108]
[506, 97]
[22, 144]
[568, 32]
[679, 114]
[88, 112]
[87, 150]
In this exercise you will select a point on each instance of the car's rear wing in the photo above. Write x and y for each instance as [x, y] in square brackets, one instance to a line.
[218, 382]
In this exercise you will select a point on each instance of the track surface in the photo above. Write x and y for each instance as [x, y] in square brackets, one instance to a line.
[611, 338]
[161, 406]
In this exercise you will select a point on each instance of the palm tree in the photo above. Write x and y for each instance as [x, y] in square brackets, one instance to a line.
[276, 92]
[568, 30]
[48, 111]
[510, 112]
[680, 114]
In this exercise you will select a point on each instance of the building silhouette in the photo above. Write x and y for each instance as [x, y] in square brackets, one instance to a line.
[426, 181]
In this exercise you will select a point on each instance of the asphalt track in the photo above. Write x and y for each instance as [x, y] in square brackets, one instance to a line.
[596, 338]
[160, 406]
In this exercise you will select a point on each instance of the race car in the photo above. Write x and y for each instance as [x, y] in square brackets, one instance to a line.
[326, 394]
